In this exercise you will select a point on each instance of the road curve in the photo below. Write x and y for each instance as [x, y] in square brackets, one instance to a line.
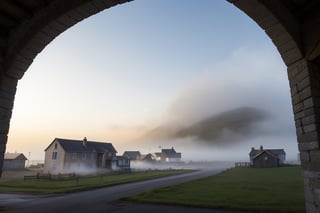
[92, 201]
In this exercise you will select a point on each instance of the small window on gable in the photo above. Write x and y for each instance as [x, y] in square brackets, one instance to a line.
[55, 146]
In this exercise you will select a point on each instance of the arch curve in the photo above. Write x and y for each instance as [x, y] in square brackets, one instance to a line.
[26, 27]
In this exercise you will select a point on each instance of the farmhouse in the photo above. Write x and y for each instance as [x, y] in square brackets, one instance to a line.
[262, 158]
[14, 161]
[66, 155]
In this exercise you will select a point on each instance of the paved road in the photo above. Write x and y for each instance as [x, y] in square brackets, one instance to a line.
[99, 200]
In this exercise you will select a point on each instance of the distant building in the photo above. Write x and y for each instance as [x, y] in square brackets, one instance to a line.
[170, 155]
[66, 155]
[133, 155]
[263, 158]
[150, 158]
[14, 161]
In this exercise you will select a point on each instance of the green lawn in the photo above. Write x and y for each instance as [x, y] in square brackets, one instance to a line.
[83, 183]
[263, 190]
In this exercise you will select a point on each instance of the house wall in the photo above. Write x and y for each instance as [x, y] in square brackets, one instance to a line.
[17, 164]
[84, 162]
[173, 160]
[265, 161]
[282, 159]
[54, 165]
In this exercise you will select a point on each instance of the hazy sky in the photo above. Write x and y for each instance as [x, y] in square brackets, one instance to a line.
[143, 64]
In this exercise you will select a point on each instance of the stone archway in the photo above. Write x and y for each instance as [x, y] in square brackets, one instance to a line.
[27, 26]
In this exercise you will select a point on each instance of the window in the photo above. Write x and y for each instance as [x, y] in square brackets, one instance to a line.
[266, 158]
[84, 156]
[55, 146]
[92, 156]
[74, 156]
[54, 155]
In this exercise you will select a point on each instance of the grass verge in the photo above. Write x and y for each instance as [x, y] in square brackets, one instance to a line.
[262, 190]
[83, 183]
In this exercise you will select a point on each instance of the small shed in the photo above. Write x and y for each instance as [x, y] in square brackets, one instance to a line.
[14, 161]
[265, 159]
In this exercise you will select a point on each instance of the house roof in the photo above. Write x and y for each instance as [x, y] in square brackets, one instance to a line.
[158, 154]
[123, 157]
[171, 153]
[265, 151]
[77, 146]
[277, 152]
[132, 154]
[13, 156]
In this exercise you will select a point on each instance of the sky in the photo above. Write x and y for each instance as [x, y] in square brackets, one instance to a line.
[147, 65]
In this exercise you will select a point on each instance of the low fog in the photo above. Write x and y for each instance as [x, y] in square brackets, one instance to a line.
[236, 104]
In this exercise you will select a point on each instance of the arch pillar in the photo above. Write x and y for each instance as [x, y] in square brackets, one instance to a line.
[7, 93]
[304, 79]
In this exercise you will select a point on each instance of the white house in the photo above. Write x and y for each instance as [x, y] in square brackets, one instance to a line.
[67, 155]
[14, 161]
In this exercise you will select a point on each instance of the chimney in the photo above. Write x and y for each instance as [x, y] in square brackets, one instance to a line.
[252, 148]
[261, 147]
[84, 142]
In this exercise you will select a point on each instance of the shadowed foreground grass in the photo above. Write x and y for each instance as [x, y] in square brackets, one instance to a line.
[83, 183]
[262, 190]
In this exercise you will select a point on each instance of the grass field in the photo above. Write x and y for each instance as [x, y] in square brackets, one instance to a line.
[83, 183]
[262, 190]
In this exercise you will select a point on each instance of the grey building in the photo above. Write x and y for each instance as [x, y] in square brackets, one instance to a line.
[14, 161]
[267, 157]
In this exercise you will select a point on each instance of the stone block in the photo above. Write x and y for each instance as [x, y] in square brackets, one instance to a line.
[310, 128]
[298, 107]
[308, 137]
[292, 56]
[306, 120]
[315, 156]
[296, 99]
[310, 207]
[5, 113]
[305, 93]
[6, 104]
[299, 131]
[305, 156]
[4, 126]
[308, 194]
[298, 123]
[306, 182]
[312, 145]
[304, 83]
[311, 166]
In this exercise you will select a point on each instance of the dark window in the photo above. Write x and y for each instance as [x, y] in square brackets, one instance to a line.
[54, 155]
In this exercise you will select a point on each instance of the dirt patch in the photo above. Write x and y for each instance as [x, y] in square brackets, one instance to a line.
[17, 174]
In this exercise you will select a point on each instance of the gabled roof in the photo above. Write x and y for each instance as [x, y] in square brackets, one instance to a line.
[277, 152]
[77, 146]
[123, 157]
[132, 154]
[171, 153]
[158, 154]
[13, 156]
[265, 151]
